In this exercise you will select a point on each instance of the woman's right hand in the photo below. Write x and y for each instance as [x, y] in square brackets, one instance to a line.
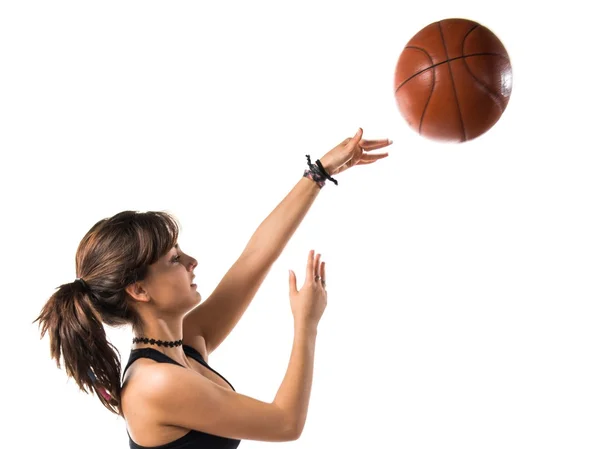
[178, 397]
[308, 303]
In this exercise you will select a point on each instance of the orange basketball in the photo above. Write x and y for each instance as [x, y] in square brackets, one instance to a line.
[453, 80]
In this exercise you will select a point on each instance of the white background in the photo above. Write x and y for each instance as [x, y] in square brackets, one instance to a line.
[463, 279]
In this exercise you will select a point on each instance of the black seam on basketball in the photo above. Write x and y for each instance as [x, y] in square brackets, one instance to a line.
[486, 89]
[427, 102]
[462, 46]
[453, 85]
[444, 62]
[432, 86]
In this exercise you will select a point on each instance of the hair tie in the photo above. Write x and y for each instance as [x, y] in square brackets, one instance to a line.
[83, 283]
[317, 173]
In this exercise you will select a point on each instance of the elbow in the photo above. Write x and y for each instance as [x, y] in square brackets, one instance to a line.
[291, 435]
[290, 425]
[290, 430]
[295, 431]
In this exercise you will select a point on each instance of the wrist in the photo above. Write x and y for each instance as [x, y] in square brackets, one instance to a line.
[318, 181]
[326, 164]
[317, 172]
[305, 329]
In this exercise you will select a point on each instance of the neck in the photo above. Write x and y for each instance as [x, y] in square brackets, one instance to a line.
[171, 348]
[164, 335]
[159, 343]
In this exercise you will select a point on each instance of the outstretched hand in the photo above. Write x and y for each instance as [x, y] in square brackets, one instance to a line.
[353, 151]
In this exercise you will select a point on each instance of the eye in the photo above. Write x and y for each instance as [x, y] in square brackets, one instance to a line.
[176, 258]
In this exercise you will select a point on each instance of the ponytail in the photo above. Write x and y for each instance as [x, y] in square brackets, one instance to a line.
[113, 254]
[76, 332]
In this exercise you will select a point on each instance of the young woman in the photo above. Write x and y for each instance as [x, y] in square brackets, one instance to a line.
[131, 270]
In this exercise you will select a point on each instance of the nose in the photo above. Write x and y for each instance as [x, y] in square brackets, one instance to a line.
[193, 263]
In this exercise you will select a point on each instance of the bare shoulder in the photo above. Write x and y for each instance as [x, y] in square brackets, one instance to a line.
[179, 397]
[140, 410]
[134, 381]
[134, 400]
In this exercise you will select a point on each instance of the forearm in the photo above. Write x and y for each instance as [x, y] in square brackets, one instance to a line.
[294, 393]
[276, 230]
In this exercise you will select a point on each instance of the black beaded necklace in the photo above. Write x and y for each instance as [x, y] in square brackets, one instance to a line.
[152, 341]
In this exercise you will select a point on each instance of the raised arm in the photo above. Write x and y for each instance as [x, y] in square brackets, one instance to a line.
[215, 318]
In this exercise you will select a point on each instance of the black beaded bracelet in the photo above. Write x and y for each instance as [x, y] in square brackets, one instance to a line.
[317, 173]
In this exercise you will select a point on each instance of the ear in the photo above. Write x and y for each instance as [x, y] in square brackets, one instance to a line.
[137, 292]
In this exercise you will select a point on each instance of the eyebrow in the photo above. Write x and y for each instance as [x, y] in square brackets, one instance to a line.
[176, 246]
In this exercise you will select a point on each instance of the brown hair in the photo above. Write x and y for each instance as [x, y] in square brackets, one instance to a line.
[115, 253]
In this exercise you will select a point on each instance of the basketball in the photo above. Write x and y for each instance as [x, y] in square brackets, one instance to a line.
[453, 80]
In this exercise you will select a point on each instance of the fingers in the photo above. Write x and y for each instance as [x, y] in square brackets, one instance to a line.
[368, 158]
[320, 272]
[366, 144]
[315, 270]
[357, 137]
[293, 285]
[310, 265]
[369, 145]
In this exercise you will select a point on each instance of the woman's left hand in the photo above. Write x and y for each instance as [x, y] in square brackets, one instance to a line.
[351, 152]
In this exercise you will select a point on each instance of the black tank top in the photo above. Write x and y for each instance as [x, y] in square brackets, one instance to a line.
[193, 439]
